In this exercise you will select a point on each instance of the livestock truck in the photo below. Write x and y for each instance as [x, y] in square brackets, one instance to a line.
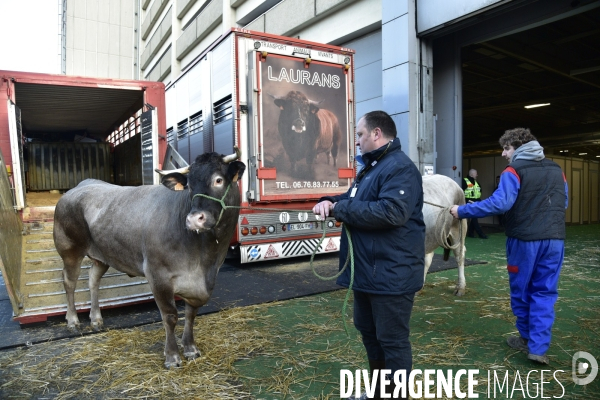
[288, 105]
[56, 131]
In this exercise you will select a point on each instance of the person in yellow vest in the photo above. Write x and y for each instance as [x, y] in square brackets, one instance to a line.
[473, 194]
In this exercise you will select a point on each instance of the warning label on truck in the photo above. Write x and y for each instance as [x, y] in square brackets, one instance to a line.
[304, 126]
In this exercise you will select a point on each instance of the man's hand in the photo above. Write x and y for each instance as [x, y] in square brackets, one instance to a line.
[454, 211]
[324, 209]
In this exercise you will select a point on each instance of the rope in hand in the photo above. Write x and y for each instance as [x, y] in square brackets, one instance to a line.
[349, 258]
[442, 220]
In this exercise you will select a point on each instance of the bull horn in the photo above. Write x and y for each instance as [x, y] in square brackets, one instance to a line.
[182, 170]
[232, 157]
[315, 103]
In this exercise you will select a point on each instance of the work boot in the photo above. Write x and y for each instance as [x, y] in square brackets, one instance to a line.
[543, 359]
[518, 343]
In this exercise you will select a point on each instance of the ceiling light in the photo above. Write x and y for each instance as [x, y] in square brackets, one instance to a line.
[582, 154]
[537, 105]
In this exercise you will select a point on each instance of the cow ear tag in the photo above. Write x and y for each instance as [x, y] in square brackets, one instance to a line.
[178, 186]
[235, 178]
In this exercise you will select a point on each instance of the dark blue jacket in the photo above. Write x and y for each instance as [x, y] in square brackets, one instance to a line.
[385, 220]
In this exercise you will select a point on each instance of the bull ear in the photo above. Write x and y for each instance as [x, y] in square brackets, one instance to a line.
[175, 181]
[235, 171]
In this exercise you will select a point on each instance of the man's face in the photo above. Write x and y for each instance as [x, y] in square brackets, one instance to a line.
[365, 139]
[508, 152]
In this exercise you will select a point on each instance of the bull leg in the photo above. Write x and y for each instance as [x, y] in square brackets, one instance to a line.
[190, 351]
[96, 272]
[428, 260]
[71, 270]
[459, 256]
[164, 297]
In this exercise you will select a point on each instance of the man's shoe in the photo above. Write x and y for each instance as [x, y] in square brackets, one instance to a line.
[543, 359]
[518, 343]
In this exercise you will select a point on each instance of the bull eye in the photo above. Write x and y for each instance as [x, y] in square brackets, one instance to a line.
[219, 182]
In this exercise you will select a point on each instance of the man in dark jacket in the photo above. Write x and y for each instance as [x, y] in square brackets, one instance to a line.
[533, 195]
[383, 212]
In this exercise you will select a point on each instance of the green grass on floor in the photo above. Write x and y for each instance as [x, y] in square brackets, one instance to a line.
[295, 349]
[309, 346]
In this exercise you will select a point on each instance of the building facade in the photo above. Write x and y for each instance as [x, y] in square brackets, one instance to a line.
[453, 75]
[100, 38]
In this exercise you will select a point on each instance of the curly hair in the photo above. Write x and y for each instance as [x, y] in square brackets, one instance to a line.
[516, 137]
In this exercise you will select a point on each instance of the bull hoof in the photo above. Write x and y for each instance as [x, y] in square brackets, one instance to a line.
[192, 355]
[74, 327]
[173, 363]
[97, 326]
[460, 292]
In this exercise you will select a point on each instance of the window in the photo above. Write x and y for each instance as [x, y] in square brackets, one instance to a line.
[223, 110]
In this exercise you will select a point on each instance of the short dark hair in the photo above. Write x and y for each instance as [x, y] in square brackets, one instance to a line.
[382, 120]
[516, 137]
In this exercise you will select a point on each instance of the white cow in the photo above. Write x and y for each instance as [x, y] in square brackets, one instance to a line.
[440, 193]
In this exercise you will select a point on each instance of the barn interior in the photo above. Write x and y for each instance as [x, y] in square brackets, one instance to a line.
[557, 64]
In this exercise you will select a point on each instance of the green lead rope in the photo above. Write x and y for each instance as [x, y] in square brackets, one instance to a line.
[349, 258]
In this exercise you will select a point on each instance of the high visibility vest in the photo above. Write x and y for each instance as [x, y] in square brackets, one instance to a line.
[473, 191]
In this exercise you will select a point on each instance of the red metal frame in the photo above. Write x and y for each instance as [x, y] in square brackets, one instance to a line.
[154, 93]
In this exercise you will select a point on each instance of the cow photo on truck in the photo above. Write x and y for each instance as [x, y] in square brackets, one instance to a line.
[303, 115]
[307, 130]
[169, 233]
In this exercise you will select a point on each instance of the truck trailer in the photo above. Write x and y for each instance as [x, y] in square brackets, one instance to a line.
[288, 104]
[56, 131]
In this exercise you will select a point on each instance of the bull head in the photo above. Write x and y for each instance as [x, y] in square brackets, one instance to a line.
[175, 179]
[295, 109]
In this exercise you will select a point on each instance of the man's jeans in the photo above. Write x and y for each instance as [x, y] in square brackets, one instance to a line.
[383, 321]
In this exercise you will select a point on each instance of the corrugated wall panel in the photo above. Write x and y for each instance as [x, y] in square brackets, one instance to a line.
[61, 166]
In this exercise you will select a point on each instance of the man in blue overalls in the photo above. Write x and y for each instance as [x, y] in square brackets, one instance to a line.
[533, 196]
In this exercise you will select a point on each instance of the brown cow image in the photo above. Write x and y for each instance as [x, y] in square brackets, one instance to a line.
[307, 130]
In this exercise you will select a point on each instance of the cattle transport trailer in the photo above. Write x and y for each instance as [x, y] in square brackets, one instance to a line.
[56, 131]
[239, 92]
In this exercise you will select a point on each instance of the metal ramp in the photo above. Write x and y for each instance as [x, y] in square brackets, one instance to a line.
[41, 292]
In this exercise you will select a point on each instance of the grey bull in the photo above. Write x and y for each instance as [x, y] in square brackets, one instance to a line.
[442, 230]
[167, 233]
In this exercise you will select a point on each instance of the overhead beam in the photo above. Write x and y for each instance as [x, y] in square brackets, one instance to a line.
[537, 63]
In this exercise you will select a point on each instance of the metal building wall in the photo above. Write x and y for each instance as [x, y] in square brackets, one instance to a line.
[101, 38]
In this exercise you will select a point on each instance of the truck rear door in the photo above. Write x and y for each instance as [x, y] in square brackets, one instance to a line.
[16, 147]
[304, 110]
